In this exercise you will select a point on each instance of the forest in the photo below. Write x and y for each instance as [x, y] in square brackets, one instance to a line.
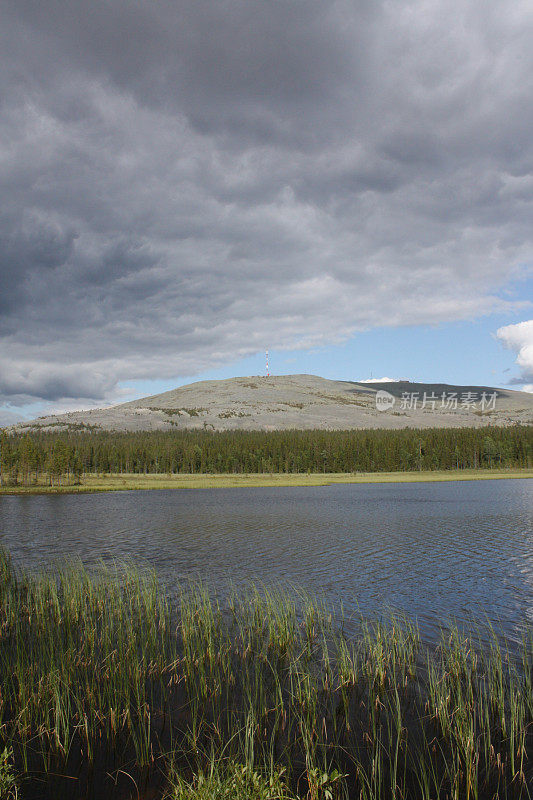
[25, 457]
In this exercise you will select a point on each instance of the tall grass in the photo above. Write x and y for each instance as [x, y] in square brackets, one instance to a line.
[109, 690]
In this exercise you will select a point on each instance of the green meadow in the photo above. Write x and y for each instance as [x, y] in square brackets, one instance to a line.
[123, 482]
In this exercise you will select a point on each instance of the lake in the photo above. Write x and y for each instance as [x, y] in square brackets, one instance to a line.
[436, 551]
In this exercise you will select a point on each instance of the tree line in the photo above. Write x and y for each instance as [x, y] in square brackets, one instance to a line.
[26, 457]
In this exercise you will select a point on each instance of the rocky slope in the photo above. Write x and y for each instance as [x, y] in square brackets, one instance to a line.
[304, 402]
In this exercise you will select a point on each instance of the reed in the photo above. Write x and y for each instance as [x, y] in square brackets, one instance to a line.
[109, 689]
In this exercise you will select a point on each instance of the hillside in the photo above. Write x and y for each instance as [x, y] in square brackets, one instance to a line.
[303, 402]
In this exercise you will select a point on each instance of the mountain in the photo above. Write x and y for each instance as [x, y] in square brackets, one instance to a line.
[304, 402]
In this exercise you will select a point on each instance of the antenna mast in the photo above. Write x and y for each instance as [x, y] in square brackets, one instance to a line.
[267, 370]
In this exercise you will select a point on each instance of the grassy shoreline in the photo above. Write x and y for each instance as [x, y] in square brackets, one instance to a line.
[135, 482]
[108, 688]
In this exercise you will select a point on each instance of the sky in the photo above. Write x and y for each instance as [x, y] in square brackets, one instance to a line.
[188, 183]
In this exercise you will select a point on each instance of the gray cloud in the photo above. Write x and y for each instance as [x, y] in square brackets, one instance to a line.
[8, 418]
[186, 181]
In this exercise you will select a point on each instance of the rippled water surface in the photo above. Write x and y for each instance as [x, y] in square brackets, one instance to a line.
[434, 550]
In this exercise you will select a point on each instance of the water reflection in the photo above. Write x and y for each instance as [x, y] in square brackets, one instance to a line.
[434, 551]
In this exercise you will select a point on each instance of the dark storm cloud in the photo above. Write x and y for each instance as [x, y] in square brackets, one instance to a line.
[27, 244]
[184, 182]
[244, 66]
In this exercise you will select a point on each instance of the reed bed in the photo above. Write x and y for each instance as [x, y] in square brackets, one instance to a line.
[109, 690]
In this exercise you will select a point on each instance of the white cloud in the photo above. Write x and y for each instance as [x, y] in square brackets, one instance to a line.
[519, 339]
[381, 380]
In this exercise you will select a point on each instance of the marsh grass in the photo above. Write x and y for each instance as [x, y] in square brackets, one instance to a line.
[110, 691]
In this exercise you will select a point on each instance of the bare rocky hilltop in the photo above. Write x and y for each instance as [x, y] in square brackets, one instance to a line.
[304, 402]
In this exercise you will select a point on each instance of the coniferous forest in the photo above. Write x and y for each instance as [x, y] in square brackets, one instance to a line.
[25, 456]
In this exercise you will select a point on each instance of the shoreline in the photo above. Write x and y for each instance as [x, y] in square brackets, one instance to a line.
[144, 671]
[112, 482]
